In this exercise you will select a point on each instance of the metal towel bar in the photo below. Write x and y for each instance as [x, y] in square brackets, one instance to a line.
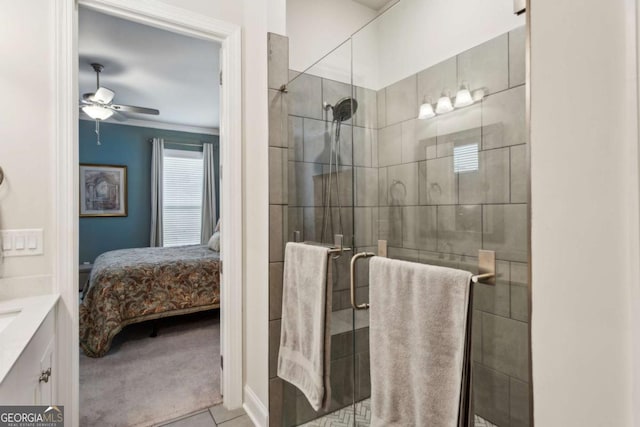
[486, 268]
[336, 248]
[481, 277]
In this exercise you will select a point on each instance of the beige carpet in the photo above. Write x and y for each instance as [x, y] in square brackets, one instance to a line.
[143, 381]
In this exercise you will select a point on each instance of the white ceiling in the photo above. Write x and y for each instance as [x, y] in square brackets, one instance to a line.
[152, 68]
[374, 4]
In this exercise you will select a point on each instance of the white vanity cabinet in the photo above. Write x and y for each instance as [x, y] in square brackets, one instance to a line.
[32, 378]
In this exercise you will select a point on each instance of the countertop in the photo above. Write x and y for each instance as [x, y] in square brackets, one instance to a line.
[15, 337]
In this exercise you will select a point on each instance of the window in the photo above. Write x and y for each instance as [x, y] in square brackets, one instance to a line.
[182, 197]
[465, 158]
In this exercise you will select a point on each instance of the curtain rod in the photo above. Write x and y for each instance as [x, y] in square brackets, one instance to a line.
[195, 144]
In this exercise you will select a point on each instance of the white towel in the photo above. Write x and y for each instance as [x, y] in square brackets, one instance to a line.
[305, 341]
[418, 343]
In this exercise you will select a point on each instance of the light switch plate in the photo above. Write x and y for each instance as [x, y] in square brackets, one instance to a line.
[26, 242]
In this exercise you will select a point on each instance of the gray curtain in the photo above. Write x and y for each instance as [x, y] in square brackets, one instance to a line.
[208, 194]
[157, 156]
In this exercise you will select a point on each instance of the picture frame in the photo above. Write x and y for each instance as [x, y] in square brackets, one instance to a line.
[103, 190]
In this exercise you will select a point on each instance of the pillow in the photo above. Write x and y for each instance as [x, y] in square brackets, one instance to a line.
[214, 242]
[217, 226]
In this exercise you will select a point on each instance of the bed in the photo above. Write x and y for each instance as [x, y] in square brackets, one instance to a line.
[133, 285]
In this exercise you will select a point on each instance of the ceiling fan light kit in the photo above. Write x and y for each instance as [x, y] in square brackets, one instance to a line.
[99, 106]
[97, 112]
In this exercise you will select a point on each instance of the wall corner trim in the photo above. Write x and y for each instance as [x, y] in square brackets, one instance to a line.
[254, 408]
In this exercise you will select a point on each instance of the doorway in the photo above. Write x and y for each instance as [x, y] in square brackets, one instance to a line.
[149, 208]
[67, 175]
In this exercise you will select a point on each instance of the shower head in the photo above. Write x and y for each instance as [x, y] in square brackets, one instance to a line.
[344, 109]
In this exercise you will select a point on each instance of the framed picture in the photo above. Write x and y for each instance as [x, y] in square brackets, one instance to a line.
[103, 190]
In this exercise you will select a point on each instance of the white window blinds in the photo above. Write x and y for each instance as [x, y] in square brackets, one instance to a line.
[182, 197]
[465, 158]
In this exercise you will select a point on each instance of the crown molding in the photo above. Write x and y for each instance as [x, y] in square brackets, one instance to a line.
[160, 125]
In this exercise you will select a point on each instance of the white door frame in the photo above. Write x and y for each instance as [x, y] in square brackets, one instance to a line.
[65, 181]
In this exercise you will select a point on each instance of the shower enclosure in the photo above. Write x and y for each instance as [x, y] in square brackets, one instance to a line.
[362, 145]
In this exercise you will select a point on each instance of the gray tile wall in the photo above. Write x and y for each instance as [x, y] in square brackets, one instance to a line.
[282, 395]
[431, 213]
[310, 137]
[399, 183]
[299, 149]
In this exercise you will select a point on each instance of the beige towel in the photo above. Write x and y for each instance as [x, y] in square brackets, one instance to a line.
[419, 333]
[305, 341]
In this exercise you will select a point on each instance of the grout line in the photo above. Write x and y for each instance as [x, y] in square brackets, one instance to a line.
[510, 190]
[510, 294]
[482, 227]
[509, 398]
[184, 417]
[225, 421]
[481, 339]
[509, 58]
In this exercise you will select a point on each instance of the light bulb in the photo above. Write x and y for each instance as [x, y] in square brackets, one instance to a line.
[97, 112]
[463, 98]
[426, 111]
[444, 105]
[478, 95]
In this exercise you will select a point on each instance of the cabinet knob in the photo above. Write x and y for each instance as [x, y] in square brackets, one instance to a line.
[44, 376]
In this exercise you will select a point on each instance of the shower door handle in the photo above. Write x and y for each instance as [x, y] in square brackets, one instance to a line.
[354, 259]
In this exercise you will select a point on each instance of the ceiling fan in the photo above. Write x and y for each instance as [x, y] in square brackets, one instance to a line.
[99, 105]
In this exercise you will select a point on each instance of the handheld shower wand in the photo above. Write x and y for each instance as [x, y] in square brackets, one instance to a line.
[343, 110]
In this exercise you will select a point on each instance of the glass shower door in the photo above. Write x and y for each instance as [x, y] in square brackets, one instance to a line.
[372, 156]
[321, 207]
[446, 181]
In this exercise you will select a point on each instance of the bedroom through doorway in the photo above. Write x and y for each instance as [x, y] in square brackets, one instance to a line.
[149, 228]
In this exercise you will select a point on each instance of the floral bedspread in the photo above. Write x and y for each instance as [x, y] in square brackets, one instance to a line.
[133, 285]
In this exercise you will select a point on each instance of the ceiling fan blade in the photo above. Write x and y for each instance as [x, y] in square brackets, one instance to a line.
[134, 109]
[119, 117]
[103, 95]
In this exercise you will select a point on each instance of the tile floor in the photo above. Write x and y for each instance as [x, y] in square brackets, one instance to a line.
[216, 416]
[344, 418]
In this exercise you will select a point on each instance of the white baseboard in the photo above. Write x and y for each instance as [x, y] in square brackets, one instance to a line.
[255, 409]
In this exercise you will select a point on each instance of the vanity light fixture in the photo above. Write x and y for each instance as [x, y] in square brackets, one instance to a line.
[426, 111]
[477, 95]
[463, 98]
[444, 105]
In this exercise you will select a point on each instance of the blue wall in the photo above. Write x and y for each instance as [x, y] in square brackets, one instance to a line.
[130, 146]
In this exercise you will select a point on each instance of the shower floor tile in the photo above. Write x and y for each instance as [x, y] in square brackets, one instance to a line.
[344, 418]
[481, 422]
